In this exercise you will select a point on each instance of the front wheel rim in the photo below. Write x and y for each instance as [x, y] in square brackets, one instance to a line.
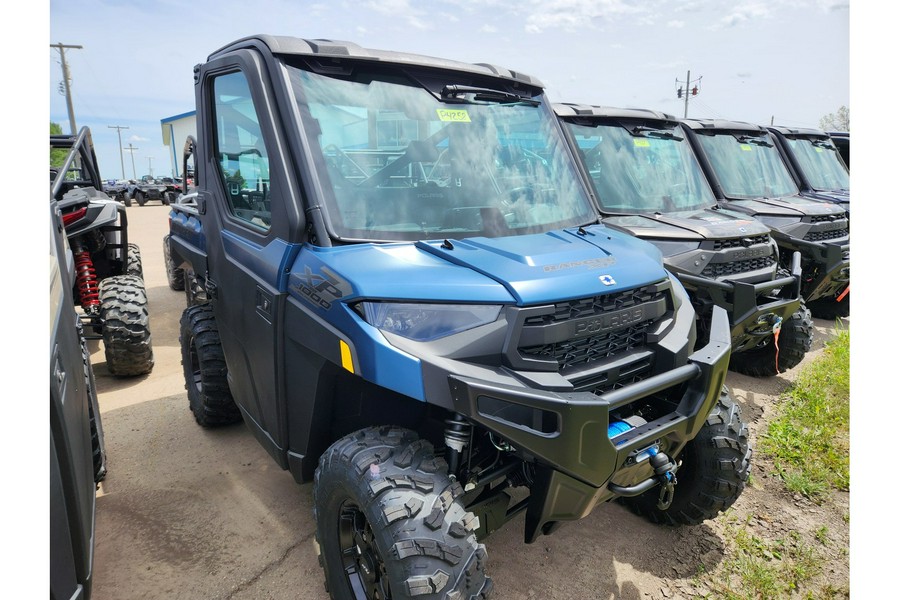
[361, 562]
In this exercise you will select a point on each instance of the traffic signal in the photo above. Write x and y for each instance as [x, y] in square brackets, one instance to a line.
[679, 92]
[694, 91]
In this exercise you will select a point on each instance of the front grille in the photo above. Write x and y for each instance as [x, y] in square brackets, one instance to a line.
[608, 380]
[820, 236]
[588, 307]
[741, 242]
[579, 352]
[736, 267]
[825, 218]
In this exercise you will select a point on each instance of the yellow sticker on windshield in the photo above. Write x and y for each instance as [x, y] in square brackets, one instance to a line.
[642, 142]
[818, 150]
[454, 115]
[746, 147]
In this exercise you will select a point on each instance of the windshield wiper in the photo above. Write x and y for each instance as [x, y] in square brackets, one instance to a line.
[454, 93]
[756, 141]
[645, 131]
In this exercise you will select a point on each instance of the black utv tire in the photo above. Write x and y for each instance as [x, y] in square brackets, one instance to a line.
[389, 522]
[829, 308]
[126, 199]
[125, 326]
[713, 473]
[133, 265]
[139, 198]
[205, 372]
[794, 342]
[175, 275]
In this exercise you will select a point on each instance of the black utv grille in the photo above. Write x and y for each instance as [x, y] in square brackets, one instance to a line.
[825, 218]
[577, 352]
[741, 242]
[716, 270]
[819, 236]
[587, 307]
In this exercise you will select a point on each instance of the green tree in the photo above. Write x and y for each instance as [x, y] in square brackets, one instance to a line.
[836, 121]
[57, 155]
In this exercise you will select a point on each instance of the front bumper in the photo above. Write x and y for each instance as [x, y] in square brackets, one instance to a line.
[577, 465]
[826, 266]
[752, 308]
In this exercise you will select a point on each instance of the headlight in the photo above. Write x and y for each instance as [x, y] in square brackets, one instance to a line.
[425, 322]
[671, 248]
[778, 222]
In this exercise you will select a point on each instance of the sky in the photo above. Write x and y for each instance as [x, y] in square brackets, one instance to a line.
[763, 61]
[781, 61]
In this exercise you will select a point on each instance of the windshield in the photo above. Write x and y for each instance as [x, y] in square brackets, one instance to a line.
[818, 159]
[748, 167]
[405, 163]
[641, 169]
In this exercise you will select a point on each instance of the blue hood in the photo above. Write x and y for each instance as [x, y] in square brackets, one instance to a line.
[526, 269]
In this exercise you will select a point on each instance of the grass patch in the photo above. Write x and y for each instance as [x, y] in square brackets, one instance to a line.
[809, 438]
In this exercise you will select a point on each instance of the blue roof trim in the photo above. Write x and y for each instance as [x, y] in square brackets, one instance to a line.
[176, 117]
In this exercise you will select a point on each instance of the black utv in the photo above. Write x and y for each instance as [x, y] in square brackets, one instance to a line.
[815, 163]
[749, 176]
[649, 183]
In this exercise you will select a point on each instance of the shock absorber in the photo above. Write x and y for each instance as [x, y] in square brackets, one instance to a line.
[456, 435]
[86, 279]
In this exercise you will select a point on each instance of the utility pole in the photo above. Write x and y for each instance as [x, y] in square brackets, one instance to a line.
[66, 79]
[150, 165]
[688, 90]
[119, 129]
[131, 149]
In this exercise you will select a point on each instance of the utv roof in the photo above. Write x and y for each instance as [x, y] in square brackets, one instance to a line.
[337, 49]
[568, 109]
[799, 131]
[723, 125]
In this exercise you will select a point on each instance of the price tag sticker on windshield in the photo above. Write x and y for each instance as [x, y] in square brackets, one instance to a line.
[453, 115]
[641, 143]
[746, 147]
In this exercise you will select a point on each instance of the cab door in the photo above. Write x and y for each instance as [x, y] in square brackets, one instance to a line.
[244, 193]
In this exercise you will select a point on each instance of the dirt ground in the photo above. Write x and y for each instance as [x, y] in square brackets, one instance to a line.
[187, 513]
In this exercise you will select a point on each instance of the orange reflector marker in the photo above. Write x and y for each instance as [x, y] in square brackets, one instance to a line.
[346, 357]
[844, 293]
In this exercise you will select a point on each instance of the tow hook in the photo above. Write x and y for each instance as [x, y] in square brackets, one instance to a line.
[665, 472]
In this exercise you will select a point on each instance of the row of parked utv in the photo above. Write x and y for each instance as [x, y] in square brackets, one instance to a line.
[447, 301]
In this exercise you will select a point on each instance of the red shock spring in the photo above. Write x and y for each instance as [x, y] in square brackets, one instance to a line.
[86, 281]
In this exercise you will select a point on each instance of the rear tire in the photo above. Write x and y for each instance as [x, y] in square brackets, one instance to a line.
[125, 326]
[714, 470]
[390, 524]
[794, 342]
[205, 371]
[175, 275]
[126, 199]
[134, 266]
[139, 198]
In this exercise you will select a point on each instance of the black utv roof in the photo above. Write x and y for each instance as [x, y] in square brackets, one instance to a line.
[285, 45]
[568, 109]
[799, 132]
[723, 125]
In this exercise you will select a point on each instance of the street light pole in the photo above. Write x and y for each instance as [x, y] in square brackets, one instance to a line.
[66, 78]
[119, 129]
[150, 165]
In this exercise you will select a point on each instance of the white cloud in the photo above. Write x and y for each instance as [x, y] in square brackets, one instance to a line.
[675, 24]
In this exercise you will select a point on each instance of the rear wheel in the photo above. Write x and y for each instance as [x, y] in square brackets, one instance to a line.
[134, 266]
[205, 371]
[765, 360]
[126, 198]
[714, 470]
[389, 522]
[175, 275]
[140, 198]
[125, 322]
